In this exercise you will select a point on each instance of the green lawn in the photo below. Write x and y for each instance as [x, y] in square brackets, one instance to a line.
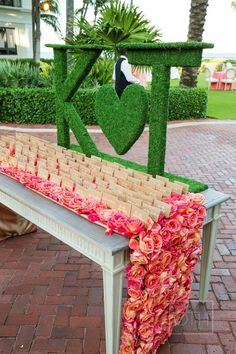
[221, 104]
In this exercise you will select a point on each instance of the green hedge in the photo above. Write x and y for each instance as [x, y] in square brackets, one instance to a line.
[37, 106]
[30, 106]
[187, 103]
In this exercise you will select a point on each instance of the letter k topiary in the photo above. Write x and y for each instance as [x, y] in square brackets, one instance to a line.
[66, 86]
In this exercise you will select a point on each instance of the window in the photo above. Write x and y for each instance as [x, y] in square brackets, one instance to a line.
[14, 3]
[7, 41]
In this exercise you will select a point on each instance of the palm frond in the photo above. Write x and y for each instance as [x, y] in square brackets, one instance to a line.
[118, 22]
[52, 21]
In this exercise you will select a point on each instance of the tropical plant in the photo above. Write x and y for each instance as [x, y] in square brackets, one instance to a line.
[101, 72]
[118, 22]
[198, 12]
[21, 74]
[47, 11]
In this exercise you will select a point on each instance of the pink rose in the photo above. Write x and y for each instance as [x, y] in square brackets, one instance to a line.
[137, 272]
[145, 347]
[133, 226]
[149, 304]
[145, 331]
[173, 225]
[127, 339]
[134, 244]
[156, 227]
[159, 261]
[126, 349]
[192, 219]
[198, 198]
[145, 317]
[138, 258]
[130, 327]
[106, 214]
[146, 245]
[136, 294]
[151, 281]
[131, 309]
[117, 222]
[157, 239]
[134, 285]
[183, 232]
[93, 217]
[201, 210]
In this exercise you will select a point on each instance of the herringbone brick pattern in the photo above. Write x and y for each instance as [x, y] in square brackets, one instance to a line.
[51, 297]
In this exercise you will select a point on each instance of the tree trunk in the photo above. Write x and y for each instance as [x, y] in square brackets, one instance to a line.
[95, 12]
[36, 29]
[69, 17]
[86, 9]
[198, 12]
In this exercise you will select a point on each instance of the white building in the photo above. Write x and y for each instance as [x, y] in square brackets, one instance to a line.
[15, 29]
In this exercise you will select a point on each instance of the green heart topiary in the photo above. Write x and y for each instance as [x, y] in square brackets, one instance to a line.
[122, 120]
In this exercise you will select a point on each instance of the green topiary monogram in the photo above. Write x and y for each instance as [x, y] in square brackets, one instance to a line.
[123, 133]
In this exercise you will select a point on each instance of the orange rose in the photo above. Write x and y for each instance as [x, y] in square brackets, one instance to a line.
[134, 244]
[145, 317]
[131, 309]
[126, 350]
[146, 245]
[145, 331]
[151, 281]
[135, 294]
[198, 198]
[134, 225]
[173, 225]
[137, 272]
[138, 258]
[157, 239]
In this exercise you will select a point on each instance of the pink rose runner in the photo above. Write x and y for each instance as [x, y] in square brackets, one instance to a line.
[163, 255]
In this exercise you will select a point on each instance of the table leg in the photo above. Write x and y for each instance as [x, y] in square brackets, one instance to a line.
[208, 247]
[113, 286]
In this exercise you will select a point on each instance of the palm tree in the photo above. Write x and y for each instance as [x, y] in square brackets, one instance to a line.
[69, 18]
[98, 4]
[47, 11]
[198, 12]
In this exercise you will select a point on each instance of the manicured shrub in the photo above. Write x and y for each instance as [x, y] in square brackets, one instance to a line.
[30, 106]
[37, 105]
[187, 103]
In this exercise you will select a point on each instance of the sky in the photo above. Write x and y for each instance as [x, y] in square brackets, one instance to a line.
[171, 17]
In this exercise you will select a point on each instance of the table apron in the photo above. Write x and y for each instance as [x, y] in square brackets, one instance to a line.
[114, 263]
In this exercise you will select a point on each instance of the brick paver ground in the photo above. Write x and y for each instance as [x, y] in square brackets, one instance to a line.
[51, 297]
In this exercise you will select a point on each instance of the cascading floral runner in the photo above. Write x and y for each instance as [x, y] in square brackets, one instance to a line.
[162, 258]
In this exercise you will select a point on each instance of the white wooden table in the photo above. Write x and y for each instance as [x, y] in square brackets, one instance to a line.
[111, 252]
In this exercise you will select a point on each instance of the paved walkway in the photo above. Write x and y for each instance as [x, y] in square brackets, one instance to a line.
[51, 296]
